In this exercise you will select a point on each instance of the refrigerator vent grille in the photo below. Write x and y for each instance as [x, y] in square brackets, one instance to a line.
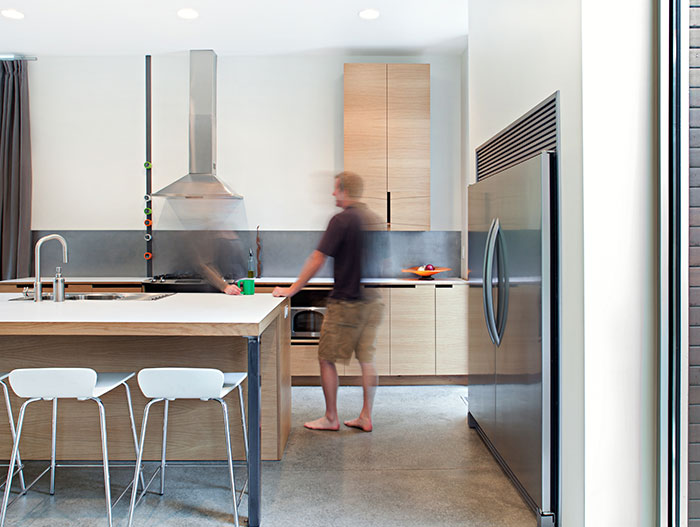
[534, 132]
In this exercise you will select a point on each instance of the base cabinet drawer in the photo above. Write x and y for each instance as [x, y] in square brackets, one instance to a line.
[304, 359]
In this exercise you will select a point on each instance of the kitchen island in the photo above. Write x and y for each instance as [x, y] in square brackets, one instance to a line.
[231, 333]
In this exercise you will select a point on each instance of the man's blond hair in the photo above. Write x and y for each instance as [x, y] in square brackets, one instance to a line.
[351, 184]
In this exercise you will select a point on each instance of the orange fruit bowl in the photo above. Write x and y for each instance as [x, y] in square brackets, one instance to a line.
[425, 275]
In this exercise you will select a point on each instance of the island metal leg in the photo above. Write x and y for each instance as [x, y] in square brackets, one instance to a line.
[254, 402]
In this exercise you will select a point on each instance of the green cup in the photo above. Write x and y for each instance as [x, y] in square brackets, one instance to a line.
[247, 286]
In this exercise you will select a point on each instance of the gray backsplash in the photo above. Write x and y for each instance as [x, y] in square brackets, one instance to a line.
[283, 253]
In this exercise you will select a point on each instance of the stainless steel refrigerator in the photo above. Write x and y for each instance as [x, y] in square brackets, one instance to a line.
[514, 326]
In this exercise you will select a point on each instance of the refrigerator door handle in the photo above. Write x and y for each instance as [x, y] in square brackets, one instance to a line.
[488, 282]
[503, 284]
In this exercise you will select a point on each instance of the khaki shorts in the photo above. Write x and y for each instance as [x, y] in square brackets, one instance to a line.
[350, 326]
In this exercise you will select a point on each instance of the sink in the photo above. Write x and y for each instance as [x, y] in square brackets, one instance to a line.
[95, 296]
[100, 296]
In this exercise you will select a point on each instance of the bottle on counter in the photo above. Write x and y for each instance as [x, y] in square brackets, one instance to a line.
[251, 264]
[59, 286]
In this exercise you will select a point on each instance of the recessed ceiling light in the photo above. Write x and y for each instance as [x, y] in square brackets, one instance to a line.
[12, 13]
[369, 14]
[187, 13]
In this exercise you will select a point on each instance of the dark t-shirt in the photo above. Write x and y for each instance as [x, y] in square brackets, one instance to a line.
[343, 241]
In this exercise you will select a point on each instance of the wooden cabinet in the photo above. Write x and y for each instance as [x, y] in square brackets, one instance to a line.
[413, 330]
[387, 139]
[408, 146]
[423, 332]
[450, 330]
[304, 359]
[80, 287]
[382, 344]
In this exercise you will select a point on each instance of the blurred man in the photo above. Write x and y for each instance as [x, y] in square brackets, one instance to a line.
[215, 251]
[350, 323]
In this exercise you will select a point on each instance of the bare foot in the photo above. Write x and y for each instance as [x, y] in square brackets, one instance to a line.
[322, 423]
[363, 424]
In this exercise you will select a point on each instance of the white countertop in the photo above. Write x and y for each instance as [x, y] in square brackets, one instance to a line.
[372, 281]
[185, 314]
[262, 281]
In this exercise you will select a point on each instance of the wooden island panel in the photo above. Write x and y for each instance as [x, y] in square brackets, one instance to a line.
[195, 428]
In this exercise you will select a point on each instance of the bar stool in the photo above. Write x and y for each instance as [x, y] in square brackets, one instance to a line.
[170, 384]
[11, 418]
[52, 384]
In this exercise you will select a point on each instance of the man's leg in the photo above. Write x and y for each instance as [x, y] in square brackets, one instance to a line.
[369, 383]
[329, 382]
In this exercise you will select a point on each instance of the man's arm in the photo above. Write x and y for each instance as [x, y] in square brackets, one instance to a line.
[311, 267]
[213, 276]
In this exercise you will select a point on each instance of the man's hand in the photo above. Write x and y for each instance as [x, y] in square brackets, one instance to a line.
[232, 289]
[282, 291]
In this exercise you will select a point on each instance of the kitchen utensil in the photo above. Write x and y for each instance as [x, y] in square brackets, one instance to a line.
[424, 274]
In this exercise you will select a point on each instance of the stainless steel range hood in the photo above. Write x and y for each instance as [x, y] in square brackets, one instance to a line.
[201, 182]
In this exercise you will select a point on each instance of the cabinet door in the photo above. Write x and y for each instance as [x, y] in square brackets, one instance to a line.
[364, 128]
[382, 344]
[304, 360]
[408, 145]
[413, 330]
[451, 330]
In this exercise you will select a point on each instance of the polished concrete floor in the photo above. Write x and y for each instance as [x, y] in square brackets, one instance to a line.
[421, 465]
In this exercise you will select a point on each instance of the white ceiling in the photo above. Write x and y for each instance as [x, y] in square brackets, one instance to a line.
[233, 27]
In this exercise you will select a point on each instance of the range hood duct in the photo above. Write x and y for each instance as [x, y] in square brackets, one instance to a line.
[201, 182]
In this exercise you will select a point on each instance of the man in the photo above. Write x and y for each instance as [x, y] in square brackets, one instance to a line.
[351, 319]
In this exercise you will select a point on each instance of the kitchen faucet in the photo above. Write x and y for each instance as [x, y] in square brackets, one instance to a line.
[37, 261]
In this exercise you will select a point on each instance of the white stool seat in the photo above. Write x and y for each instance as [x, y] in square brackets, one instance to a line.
[74, 383]
[188, 383]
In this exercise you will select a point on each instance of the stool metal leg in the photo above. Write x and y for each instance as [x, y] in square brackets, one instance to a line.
[105, 459]
[13, 460]
[229, 458]
[245, 431]
[133, 425]
[12, 433]
[139, 459]
[52, 486]
[162, 451]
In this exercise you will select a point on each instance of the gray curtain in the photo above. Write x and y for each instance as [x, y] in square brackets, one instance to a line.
[15, 172]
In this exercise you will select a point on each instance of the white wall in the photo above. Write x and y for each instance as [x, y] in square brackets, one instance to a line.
[519, 54]
[87, 131]
[280, 139]
[620, 231]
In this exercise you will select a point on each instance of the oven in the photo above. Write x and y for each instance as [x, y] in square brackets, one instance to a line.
[307, 311]
[307, 322]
